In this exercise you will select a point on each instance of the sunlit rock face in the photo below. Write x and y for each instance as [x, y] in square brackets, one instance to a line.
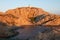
[23, 15]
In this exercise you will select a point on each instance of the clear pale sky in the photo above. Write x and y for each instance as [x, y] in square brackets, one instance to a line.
[48, 5]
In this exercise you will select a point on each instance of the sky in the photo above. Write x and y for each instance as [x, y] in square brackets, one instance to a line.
[52, 6]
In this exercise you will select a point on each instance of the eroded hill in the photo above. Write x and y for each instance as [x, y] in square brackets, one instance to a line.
[29, 16]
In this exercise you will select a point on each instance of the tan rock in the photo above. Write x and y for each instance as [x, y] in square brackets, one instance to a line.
[21, 16]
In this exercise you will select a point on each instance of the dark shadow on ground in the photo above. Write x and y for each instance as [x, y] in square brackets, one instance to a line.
[28, 32]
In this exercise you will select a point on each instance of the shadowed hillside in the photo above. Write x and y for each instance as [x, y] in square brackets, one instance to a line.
[28, 32]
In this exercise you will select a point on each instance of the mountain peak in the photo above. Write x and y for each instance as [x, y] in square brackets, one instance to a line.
[26, 11]
[29, 16]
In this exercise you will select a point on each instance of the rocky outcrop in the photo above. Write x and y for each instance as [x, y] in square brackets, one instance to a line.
[29, 23]
[29, 16]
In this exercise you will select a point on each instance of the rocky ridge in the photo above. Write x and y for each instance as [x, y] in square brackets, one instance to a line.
[29, 16]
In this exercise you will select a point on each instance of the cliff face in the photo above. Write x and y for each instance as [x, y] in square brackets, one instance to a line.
[29, 16]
